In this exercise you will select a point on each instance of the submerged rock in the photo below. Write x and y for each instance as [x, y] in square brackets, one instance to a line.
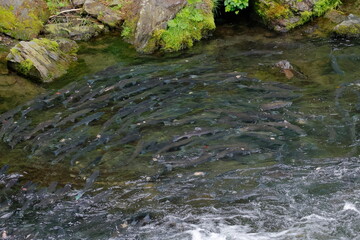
[42, 59]
[286, 68]
[22, 19]
[103, 13]
[3, 67]
[283, 15]
[349, 27]
[167, 25]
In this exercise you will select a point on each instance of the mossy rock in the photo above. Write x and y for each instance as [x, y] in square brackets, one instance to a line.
[168, 25]
[349, 28]
[284, 15]
[103, 13]
[22, 19]
[78, 30]
[42, 59]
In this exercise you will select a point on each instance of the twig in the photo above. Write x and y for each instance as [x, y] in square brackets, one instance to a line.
[66, 11]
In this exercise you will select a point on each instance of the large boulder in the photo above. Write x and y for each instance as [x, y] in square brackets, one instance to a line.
[169, 25]
[103, 13]
[22, 19]
[283, 15]
[349, 27]
[42, 59]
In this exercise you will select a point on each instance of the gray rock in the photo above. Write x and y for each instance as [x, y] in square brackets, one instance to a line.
[350, 27]
[103, 13]
[154, 15]
[22, 19]
[42, 59]
[78, 3]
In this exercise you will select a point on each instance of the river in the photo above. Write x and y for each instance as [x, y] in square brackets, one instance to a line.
[215, 142]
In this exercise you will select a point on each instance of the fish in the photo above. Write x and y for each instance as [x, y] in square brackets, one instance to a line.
[72, 144]
[18, 128]
[131, 137]
[89, 182]
[174, 145]
[92, 164]
[73, 116]
[260, 127]
[264, 53]
[60, 93]
[275, 105]
[43, 139]
[36, 106]
[286, 124]
[10, 114]
[96, 103]
[194, 134]
[92, 146]
[4, 169]
[6, 125]
[58, 194]
[335, 66]
[42, 126]
[88, 119]
[77, 94]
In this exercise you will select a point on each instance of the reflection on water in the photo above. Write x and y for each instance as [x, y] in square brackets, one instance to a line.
[217, 142]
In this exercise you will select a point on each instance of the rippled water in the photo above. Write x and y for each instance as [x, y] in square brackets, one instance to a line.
[216, 142]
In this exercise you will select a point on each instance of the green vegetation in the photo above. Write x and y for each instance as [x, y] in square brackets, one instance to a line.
[26, 66]
[189, 25]
[348, 30]
[235, 5]
[271, 11]
[49, 44]
[55, 5]
[24, 30]
[128, 30]
[322, 6]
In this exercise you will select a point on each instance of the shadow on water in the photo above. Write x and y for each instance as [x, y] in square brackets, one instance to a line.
[216, 142]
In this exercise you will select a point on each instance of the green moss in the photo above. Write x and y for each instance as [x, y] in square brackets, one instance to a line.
[322, 6]
[8, 21]
[13, 26]
[189, 25]
[49, 44]
[350, 31]
[55, 5]
[273, 10]
[26, 66]
[304, 17]
[15, 51]
[128, 31]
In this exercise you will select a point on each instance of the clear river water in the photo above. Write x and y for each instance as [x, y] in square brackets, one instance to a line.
[215, 142]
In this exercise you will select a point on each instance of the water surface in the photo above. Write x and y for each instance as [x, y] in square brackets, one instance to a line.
[215, 142]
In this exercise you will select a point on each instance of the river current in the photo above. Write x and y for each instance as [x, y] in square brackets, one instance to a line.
[222, 141]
